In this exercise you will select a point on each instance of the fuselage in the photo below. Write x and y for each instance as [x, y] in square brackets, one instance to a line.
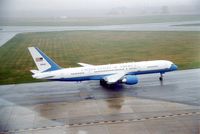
[99, 72]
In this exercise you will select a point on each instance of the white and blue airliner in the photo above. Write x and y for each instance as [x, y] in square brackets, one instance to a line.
[107, 74]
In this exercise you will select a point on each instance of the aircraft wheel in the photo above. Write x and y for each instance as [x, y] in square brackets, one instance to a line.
[102, 82]
[161, 78]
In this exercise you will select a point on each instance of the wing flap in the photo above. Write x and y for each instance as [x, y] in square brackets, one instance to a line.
[114, 78]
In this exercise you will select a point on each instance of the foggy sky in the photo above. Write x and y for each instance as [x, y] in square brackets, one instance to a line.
[9, 7]
[87, 4]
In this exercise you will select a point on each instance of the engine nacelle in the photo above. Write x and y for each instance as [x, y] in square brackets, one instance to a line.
[130, 79]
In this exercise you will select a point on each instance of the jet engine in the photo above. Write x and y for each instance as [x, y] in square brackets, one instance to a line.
[130, 80]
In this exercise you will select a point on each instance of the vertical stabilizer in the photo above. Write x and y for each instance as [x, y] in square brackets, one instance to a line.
[42, 61]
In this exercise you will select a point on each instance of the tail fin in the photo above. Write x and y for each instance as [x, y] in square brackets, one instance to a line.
[43, 62]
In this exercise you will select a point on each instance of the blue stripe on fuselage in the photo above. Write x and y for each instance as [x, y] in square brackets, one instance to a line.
[82, 78]
[148, 72]
[99, 77]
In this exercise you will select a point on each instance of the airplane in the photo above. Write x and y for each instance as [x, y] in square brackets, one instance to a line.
[110, 74]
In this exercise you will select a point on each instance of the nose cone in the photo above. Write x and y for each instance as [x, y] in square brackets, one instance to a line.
[173, 67]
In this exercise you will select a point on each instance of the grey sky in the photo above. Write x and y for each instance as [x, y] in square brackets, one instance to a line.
[86, 4]
[78, 7]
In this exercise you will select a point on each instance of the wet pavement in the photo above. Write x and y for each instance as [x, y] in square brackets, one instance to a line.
[87, 108]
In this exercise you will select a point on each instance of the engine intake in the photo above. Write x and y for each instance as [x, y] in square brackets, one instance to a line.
[130, 79]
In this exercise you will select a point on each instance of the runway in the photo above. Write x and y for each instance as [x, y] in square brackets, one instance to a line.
[8, 32]
[172, 106]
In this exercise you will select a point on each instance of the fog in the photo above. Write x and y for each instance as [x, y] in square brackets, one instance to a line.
[96, 8]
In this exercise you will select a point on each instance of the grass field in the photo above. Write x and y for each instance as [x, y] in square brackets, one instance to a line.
[97, 47]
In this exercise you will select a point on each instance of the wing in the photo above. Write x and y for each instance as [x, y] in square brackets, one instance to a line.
[114, 78]
[85, 65]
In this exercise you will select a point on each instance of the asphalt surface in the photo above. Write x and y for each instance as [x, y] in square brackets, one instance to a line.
[172, 106]
[179, 86]
[8, 32]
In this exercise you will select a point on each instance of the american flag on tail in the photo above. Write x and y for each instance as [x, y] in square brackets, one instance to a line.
[39, 59]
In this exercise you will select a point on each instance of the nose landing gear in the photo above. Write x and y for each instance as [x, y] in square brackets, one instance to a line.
[161, 77]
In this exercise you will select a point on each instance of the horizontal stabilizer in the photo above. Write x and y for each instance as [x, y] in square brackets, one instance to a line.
[35, 71]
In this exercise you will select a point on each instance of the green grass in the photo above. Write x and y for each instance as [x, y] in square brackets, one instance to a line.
[97, 47]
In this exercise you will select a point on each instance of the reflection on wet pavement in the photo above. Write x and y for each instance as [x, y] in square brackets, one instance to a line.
[148, 107]
[71, 116]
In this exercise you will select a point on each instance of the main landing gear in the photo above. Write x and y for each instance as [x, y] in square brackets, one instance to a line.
[161, 77]
[103, 83]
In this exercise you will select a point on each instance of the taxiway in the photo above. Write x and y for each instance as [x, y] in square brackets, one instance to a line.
[172, 106]
[8, 32]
